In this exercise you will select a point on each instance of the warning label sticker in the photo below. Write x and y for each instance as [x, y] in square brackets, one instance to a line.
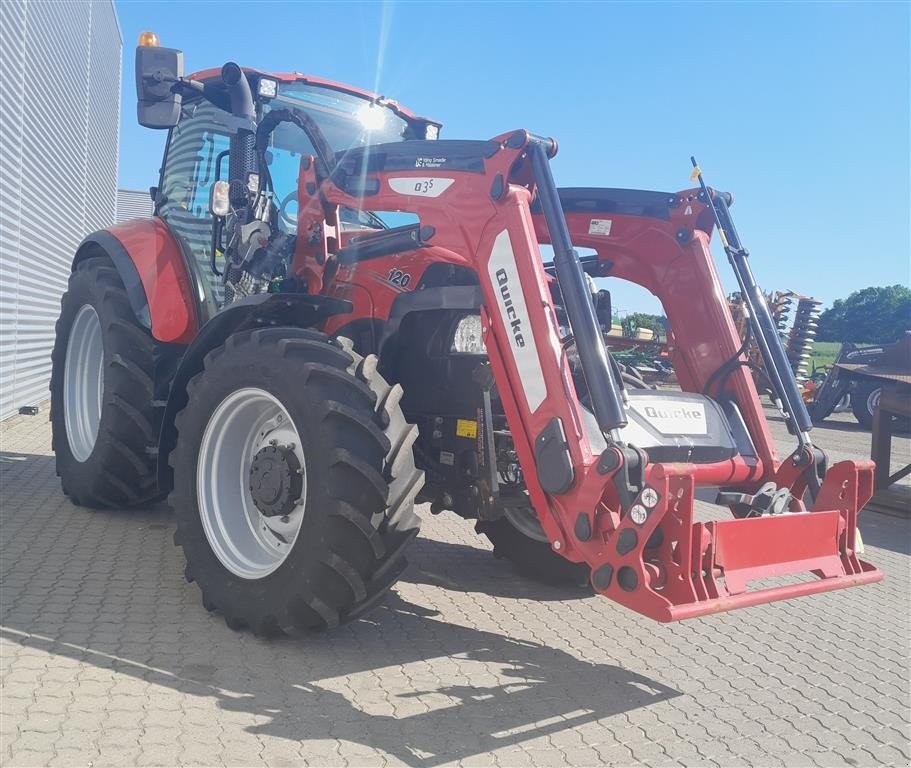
[466, 428]
[600, 227]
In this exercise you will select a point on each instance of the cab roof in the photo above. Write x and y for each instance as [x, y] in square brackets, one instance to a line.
[297, 77]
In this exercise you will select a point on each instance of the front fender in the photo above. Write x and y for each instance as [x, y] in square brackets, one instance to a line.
[154, 273]
[298, 310]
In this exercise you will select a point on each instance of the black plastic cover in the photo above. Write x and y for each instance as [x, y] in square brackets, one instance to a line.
[679, 427]
[437, 155]
[555, 468]
[385, 243]
[624, 202]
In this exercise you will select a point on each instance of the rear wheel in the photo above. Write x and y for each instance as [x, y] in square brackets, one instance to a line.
[294, 481]
[101, 392]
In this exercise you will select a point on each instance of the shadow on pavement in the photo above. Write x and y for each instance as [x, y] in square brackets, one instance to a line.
[425, 723]
[886, 531]
[463, 568]
[402, 680]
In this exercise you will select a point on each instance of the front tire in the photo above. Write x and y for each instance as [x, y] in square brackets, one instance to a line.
[270, 552]
[532, 557]
[102, 389]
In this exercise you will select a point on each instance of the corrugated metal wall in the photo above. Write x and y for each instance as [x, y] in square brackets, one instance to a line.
[133, 204]
[59, 139]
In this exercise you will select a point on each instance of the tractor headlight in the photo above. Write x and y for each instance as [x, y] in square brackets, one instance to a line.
[431, 132]
[267, 88]
[219, 204]
[467, 338]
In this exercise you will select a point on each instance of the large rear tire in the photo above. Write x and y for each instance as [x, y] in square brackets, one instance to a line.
[269, 551]
[102, 383]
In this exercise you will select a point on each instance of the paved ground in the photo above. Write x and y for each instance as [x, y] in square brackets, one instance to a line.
[108, 658]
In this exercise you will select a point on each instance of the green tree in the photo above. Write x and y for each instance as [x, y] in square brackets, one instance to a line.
[635, 320]
[875, 315]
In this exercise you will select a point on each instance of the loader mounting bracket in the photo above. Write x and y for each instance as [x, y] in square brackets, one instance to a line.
[627, 463]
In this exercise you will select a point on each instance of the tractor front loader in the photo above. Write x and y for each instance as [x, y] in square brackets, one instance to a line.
[608, 473]
[297, 373]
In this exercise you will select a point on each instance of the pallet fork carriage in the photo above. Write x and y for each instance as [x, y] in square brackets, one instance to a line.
[295, 400]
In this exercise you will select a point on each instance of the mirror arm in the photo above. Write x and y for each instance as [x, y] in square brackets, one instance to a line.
[186, 86]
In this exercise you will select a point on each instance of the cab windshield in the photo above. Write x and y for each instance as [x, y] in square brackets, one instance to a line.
[347, 121]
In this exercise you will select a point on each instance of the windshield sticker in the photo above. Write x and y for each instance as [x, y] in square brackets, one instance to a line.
[429, 162]
[600, 227]
[422, 186]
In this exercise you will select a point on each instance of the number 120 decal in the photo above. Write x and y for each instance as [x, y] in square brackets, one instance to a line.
[397, 277]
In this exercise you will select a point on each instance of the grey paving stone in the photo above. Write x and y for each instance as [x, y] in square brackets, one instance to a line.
[107, 657]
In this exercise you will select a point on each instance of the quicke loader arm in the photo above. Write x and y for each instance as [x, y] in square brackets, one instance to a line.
[630, 520]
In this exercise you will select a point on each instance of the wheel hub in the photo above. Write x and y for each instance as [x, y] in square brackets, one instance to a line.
[276, 480]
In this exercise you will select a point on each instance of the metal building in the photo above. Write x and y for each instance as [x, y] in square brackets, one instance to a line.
[59, 141]
[133, 204]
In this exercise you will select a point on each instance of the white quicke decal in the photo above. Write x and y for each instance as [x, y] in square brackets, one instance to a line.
[600, 227]
[514, 313]
[672, 418]
[422, 186]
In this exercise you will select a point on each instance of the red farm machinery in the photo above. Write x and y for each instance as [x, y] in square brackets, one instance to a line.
[296, 364]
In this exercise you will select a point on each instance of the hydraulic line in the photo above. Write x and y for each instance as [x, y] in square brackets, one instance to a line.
[776, 362]
[607, 401]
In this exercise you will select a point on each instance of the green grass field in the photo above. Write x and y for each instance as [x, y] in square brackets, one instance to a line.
[824, 353]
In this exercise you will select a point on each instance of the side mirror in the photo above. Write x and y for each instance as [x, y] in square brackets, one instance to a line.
[603, 310]
[157, 69]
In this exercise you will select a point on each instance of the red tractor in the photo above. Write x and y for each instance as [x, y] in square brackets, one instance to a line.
[296, 373]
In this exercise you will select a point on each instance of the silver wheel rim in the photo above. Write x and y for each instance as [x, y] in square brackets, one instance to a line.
[83, 382]
[873, 400]
[246, 542]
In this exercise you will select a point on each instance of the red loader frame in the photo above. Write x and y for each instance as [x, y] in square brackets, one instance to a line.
[629, 519]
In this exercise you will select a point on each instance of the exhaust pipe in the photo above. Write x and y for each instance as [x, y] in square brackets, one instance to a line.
[243, 141]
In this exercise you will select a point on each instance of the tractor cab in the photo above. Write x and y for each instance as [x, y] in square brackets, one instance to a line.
[212, 110]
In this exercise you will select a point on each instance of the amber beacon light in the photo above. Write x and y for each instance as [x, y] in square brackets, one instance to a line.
[148, 39]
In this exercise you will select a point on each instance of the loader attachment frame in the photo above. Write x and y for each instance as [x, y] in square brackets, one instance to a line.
[599, 500]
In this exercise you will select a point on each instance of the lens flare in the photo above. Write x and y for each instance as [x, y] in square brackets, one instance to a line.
[372, 117]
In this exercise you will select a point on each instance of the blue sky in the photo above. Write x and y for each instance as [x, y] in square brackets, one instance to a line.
[802, 110]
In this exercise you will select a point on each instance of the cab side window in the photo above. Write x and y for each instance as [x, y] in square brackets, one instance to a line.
[190, 170]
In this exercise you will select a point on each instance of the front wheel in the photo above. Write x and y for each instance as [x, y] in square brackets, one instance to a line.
[294, 481]
[519, 538]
